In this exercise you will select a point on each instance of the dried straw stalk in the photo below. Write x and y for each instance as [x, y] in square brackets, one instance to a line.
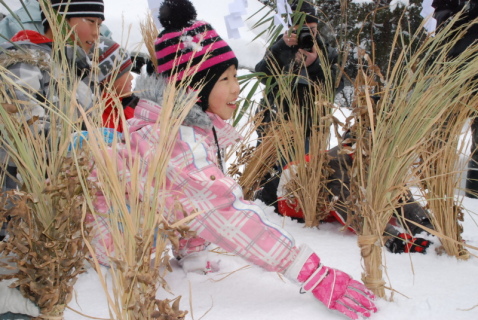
[364, 118]
[257, 163]
[149, 32]
[308, 168]
[440, 178]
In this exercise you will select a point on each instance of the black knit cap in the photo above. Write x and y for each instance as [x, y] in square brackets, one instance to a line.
[75, 8]
[307, 8]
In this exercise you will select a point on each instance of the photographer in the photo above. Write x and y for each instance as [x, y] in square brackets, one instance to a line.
[293, 53]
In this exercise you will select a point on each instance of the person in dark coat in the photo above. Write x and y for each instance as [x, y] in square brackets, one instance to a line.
[293, 53]
[444, 10]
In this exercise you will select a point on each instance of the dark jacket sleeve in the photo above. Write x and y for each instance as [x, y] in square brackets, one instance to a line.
[444, 9]
[277, 57]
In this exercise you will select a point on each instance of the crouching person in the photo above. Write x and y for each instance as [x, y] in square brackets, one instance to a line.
[402, 233]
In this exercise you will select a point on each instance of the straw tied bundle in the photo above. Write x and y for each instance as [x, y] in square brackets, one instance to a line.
[297, 137]
[389, 135]
[46, 258]
[137, 221]
[440, 175]
[46, 234]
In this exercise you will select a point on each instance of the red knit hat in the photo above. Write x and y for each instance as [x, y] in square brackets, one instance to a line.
[186, 42]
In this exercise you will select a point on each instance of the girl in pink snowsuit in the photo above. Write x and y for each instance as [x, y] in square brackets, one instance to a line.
[195, 174]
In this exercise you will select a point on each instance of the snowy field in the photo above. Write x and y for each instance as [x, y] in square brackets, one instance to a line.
[426, 286]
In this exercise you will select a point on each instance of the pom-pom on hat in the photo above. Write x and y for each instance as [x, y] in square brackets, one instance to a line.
[190, 48]
[76, 8]
[113, 60]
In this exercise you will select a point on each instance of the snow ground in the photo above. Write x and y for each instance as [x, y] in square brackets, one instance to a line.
[427, 286]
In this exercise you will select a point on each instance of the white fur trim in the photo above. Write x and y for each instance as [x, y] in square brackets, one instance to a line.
[294, 269]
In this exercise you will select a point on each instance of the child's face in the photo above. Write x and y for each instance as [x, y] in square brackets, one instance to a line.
[87, 31]
[222, 99]
[124, 84]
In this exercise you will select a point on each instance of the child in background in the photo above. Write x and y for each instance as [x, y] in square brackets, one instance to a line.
[31, 66]
[195, 176]
[115, 66]
[28, 17]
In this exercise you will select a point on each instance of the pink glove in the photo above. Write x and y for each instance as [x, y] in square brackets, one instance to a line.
[336, 289]
[193, 256]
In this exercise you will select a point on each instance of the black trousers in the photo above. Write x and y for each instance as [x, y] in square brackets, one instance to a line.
[472, 174]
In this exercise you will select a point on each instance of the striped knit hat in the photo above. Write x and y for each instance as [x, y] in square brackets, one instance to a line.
[113, 60]
[186, 42]
[75, 8]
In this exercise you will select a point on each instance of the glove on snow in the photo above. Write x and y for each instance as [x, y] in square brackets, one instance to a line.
[406, 243]
[193, 256]
[199, 262]
[336, 289]
[11, 300]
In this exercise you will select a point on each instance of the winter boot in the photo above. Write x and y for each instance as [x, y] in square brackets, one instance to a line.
[334, 288]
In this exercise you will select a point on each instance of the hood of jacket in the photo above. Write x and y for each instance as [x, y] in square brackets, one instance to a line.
[33, 48]
[25, 52]
[152, 88]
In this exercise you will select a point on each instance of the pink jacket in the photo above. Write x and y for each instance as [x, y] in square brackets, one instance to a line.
[195, 179]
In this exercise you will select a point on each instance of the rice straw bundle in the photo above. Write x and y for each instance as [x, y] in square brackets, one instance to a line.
[301, 138]
[439, 172]
[387, 143]
[45, 231]
[138, 219]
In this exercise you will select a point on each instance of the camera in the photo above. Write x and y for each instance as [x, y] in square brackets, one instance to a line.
[305, 39]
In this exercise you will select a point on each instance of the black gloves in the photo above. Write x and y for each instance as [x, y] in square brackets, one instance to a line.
[406, 243]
